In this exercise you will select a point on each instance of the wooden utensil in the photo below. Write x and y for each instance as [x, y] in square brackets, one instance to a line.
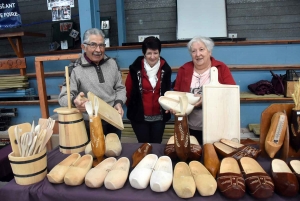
[221, 110]
[25, 127]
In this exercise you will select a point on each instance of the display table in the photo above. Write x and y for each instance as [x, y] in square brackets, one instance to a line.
[5, 169]
[47, 191]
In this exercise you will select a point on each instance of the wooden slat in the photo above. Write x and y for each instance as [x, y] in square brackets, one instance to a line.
[12, 63]
[57, 57]
[21, 33]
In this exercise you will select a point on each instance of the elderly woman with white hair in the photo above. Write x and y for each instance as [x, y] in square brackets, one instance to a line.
[194, 74]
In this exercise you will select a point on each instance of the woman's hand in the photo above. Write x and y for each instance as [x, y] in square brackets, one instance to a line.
[171, 111]
[79, 102]
[199, 103]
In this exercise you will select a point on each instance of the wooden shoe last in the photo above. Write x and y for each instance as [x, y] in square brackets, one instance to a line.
[183, 182]
[211, 160]
[259, 183]
[285, 181]
[205, 182]
[230, 180]
[57, 174]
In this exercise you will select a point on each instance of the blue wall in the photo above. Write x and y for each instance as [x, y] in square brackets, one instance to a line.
[232, 55]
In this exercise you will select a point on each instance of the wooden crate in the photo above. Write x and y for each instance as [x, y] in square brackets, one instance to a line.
[289, 87]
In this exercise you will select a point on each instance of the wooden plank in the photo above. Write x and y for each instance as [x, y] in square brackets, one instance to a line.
[221, 110]
[57, 57]
[40, 78]
[12, 63]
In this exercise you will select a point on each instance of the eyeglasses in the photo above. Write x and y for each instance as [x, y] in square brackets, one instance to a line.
[95, 45]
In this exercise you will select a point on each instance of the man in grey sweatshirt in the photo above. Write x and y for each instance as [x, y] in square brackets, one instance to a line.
[97, 73]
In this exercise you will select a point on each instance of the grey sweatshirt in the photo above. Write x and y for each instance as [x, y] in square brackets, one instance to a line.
[105, 81]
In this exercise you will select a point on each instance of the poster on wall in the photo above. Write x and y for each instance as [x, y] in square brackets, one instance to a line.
[9, 14]
[61, 9]
[54, 3]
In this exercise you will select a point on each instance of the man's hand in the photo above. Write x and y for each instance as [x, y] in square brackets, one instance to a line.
[119, 108]
[79, 102]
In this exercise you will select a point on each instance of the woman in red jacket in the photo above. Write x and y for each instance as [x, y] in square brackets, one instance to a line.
[194, 74]
[149, 78]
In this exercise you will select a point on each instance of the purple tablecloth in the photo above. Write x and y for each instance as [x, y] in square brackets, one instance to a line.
[5, 169]
[46, 191]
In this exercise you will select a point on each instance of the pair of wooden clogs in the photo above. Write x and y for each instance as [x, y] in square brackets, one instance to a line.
[71, 170]
[189, 177]
[112, 172]
[156, 171]
[180, 102]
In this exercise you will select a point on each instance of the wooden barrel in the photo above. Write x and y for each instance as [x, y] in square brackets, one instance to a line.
[72, 131]
[29, 170]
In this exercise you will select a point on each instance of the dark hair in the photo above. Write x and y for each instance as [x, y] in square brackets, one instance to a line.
[151, 42]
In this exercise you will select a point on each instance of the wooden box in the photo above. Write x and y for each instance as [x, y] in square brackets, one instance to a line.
[289, 88]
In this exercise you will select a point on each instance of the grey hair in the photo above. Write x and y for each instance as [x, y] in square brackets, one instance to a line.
[92, 31]
[209, 43]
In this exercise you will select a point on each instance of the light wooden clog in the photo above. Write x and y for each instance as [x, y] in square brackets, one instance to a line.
[192, 99]
[139, 177]
[57, 174]
[205, 182]
[183, 182]
[173, 104]
[118, 175]
[162, 175]
[76, 173]
[95, 177]
[113, 145]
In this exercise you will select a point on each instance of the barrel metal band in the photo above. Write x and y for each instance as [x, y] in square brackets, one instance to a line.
[31, 175]
[74, 147]
[70, 122]
[29, 161]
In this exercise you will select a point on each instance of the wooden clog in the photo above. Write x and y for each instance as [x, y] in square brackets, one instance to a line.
[118, 174]
[230, 180]
[95, 177]
[140, 153]
[211, 160]
[259, 183]
[181, 137]
[139, 177]
[76, 173]
[285, 180]
[276, 134]
[183, 181]
[162, 175]
[113, 145]
[205, 182]
[57, 174]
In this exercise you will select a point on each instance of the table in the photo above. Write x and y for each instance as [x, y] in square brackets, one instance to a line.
[5, 169]
[17, 45]
[46, 191]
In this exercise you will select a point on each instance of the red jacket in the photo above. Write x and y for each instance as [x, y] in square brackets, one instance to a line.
[185, 73]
